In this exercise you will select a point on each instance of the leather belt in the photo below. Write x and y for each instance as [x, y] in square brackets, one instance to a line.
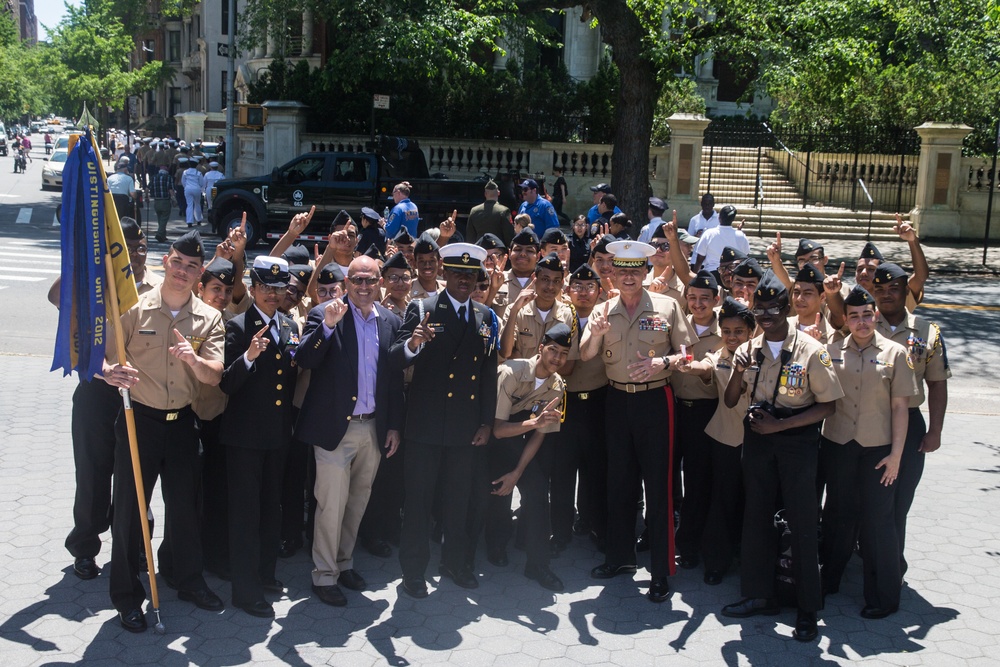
[363, 418]
[697, 402]
[633, 388]
[162, 415]
[586, 395]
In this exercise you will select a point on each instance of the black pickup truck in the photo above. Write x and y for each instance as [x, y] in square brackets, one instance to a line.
[333, 181]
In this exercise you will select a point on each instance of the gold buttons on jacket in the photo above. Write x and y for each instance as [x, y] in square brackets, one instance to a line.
[278, 387]
[473, 377]
[451, 376]
[278, 357]
[277, 402]
[279, 371]
[449, 394]
[473, 397]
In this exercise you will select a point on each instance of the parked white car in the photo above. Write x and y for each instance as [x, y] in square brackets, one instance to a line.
[52, 170]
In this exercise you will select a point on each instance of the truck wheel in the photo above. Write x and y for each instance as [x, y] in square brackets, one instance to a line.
[232, 220]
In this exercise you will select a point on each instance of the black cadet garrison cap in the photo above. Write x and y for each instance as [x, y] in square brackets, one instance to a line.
[810, 274]
[806, 246]
[658, 204]
[396, 261]
[727, 215]
[555, 236]
[526, 237]
[886, 273]
[189, 245]
[425, 245]
[370, 214]
[490, 241]
[871, 252]
[374, 253]
[859, 296]
[733, 308]
[705, 280]
[731, 254]
[748, 268]
[769, 287]
[402, 237]
[221, 269]
[131, 229]
[302, 272]
[658, 233]
[550, 262]
[343, 217]
[584, 272]
[560, 334]
[296, 254]
[330, 275]
[603, 243]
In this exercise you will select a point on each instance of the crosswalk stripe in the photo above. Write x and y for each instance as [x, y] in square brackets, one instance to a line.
[33, 262]
[25, 279]
[23, 216]
[34, 270]
[28, 256]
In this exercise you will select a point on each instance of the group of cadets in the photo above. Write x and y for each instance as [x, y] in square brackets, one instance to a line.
[397, 392]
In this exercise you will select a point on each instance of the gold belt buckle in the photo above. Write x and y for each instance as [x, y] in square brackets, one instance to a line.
[172, 416]
[583, 396]
[630, 388]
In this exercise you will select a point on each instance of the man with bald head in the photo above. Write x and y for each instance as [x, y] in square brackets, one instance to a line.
[352, 415]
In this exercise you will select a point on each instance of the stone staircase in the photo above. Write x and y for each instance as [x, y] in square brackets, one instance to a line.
[734, 181]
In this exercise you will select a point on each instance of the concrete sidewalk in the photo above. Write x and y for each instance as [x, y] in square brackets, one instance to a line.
[48, 617]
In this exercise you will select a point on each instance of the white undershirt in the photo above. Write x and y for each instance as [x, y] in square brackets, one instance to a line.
[700, 330]
[775, 346]
[544, 314]
[522, 281]
[173, 313]
[539, 382]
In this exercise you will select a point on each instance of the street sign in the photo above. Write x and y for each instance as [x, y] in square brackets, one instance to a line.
[381, 102]
[222, 50]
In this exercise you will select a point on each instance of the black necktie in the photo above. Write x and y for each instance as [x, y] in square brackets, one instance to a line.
[461, 315]
[272, 329]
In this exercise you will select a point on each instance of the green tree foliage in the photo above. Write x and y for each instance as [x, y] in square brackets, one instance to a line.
[22, 90]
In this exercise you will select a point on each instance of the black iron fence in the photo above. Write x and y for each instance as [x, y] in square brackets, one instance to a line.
[737, 164]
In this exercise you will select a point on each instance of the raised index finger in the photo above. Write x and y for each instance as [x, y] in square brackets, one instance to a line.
[180, 336]
[840, 274]
[606, 309]
[777, 240]
[263, 330]
[243, 223]
[309, 215]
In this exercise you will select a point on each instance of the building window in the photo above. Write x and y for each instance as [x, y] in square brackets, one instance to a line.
[223, 88]
[174, 46]
[175, 101]
[150, 103]
[225, 16]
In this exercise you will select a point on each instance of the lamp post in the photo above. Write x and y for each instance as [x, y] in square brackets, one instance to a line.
[230, 163]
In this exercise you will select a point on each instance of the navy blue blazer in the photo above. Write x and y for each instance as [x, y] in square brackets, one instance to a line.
[333, 386]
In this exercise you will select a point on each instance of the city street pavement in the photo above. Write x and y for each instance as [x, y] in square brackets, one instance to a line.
[947, 617]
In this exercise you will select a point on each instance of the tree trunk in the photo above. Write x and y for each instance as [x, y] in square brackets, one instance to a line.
[638, 90]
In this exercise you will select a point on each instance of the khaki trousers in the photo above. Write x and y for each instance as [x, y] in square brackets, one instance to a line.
[343, 484]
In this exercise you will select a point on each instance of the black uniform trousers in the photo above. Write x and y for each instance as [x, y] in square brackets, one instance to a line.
[856, 497]
[215, 498]
[724, 523]
[692, 418]
[638, 440]
[580, 451]
[784, 463]
[911, 469]
[382, 519]
[297, 500]
[167, 449]
[503, 455]
[95, 407]
[425, 468]
[255, 477]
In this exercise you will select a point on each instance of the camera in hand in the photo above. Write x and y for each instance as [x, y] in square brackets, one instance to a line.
[761, 406]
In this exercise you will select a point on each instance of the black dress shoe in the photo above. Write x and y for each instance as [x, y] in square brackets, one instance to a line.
[379, 548]
[415, 587]
[272, 586]
[607, 571]
[642, 544]
[544, 576]
[85, 568]
[687, 562]
[203, 599]
[877, 612]
[260, 609]
[748, 607]
[659, 589]
[713, 577]
[498, 558]
[463, 577]
[133, 621]
[331, 595]
[289, 548]
[805, 626]
[350, 579]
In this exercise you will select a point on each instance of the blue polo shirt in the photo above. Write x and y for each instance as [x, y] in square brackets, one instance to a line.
[543, 214]
[402, 214]
[593, 215]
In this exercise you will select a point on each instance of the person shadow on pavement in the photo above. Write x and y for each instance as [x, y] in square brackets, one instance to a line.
[621, 608]
[309, 622]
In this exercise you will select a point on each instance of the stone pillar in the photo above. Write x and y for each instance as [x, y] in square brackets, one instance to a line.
[687, 134]
[307, 32]
[938, 175]
[285, 122]
[190, 125]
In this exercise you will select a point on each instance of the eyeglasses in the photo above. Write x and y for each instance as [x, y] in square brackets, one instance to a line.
[358, 281]
[396, 279]
[270, 289]
[324, 293]
[295, 291]
[580, 287]
[138, 250]
[773, 310]
[661, 246]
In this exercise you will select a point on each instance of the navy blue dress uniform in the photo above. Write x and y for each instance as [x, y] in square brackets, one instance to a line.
[372, 235]
[256, 429]
[785, 378]
[451, 397]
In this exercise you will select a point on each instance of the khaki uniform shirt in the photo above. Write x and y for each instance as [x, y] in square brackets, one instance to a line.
[418, 292]
[827, 332]
[149, 281]
[657, 328]
[806, 379]
[516, 390]
[508, 293]
[211, 401]
[531, 328]
[675, 288]
[925, 348]
[166, 382]
[726, 425]
[587, 375]
[688, 386]
[870, 378]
